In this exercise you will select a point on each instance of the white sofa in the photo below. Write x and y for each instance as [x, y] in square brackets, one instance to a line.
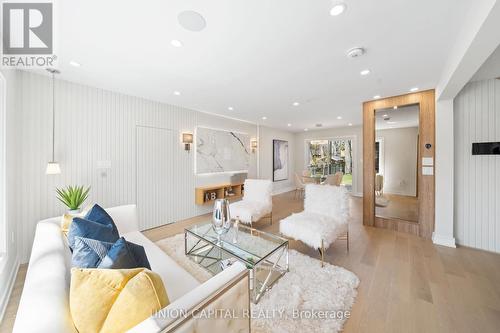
[44, 304]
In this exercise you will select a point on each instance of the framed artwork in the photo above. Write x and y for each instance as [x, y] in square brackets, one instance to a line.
[280, 160]
[218, 151]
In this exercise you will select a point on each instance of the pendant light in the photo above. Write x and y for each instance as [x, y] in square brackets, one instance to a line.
[53, 167]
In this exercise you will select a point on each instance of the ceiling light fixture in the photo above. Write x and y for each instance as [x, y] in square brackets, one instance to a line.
[74, 63]
[376, 97]
[414, 89]
[176, 43]
[395, 107]
[177, 93]
[339, 117]
[355, 52]
[350, 124]
[338, 8]
[306, 129]
[296, 104]
[385, 115]
[53, 167]
[264, 118]
[289, 125]
[191, 20]
[230, 108]
[365, 72]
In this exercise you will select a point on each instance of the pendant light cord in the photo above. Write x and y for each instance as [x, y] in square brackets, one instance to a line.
[53, 117]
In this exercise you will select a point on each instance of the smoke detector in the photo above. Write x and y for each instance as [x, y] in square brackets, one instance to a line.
[355, 52]
[319, 125]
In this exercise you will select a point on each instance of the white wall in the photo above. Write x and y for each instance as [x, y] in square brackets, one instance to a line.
[477, 178]
[355, 131]
[399, 160]
[95, 125]
[266, 137]
[9, 265]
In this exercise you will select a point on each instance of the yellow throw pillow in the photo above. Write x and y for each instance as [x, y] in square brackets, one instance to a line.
[114, 300]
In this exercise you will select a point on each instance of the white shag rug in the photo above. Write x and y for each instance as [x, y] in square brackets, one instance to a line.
[306, 289]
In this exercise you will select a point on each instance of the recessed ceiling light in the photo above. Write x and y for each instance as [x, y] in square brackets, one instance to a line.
[191, 20]
[74, 63]
[365, 72]
[176, 43]
[177, 93]
[385, 115]
[306, 129]
[376, 97]
[414, 89]
[350, 124]
[395, 107]
[289, 125]
[339, 117]
[338, 8]
[264, 118]
[296, 104]
[230, 108]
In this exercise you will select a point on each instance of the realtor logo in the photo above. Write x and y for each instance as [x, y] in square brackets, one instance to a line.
[27, 30]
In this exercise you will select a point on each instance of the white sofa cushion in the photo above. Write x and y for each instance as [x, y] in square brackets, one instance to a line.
[44, 304]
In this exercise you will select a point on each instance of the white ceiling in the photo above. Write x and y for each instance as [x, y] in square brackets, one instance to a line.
[405, 116]
[490, 69]
[260, 56]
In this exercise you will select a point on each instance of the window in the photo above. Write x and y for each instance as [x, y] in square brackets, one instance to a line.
[326, 157]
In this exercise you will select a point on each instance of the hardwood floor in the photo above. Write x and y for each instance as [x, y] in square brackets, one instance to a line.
[407, 283]
[399, 207]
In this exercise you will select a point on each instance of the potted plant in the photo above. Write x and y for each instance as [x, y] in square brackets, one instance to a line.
[73, 197]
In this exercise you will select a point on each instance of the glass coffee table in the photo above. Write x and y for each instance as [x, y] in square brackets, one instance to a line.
[264, 254]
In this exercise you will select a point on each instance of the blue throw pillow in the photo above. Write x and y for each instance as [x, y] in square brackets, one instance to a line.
[90, 229]
[88, 253]
[100, 226]
[99, 215]
[124, 255]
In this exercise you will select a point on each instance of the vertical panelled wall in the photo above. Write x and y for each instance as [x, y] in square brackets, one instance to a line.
[477, 178]
[96, 145]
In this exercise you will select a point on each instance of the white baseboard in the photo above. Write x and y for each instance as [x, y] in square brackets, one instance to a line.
[9, 285]
[283, 190]
[443, 240]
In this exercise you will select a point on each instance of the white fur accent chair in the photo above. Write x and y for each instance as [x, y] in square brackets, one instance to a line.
[324, 219]
[257, 202]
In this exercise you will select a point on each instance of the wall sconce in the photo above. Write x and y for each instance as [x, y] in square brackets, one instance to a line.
[253, 145]
[187, 140]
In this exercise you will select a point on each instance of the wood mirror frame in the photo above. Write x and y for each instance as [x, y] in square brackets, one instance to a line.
[425, 184]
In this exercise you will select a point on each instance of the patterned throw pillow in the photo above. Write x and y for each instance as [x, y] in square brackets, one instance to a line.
[88, 253]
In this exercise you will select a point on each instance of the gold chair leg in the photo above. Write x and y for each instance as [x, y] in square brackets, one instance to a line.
[322, 254]
[347, 241]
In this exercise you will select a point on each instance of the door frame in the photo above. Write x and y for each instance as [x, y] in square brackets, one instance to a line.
[425, 184]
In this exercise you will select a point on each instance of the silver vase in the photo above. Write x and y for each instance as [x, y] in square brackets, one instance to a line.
[221, 219]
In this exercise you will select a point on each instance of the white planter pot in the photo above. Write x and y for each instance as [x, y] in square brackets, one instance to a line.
[74, 211]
